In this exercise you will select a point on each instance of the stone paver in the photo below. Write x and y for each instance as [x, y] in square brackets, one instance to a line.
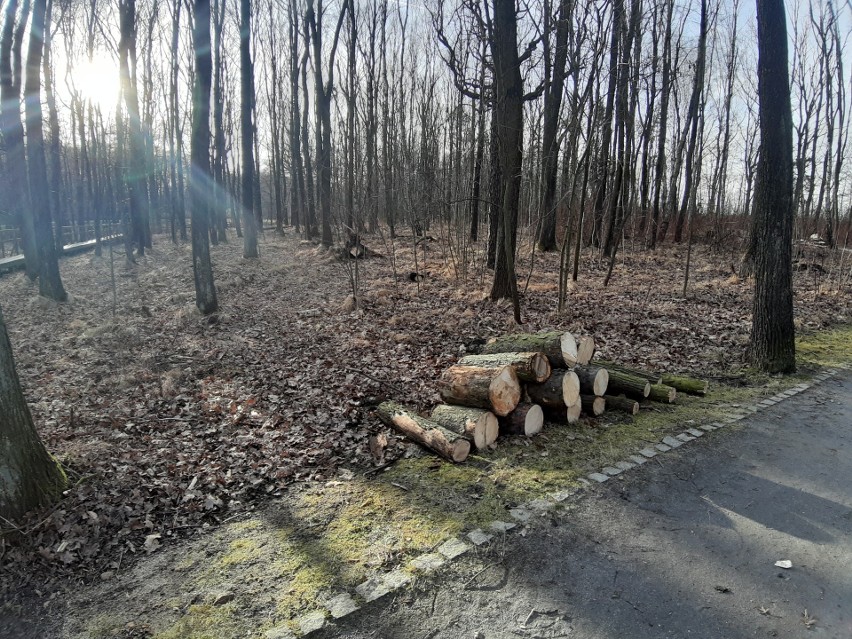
[625, 465]
[311, 622]
[279, 632]
[502, 526]
[598, 477]
[453, 547]
[479, 537]
[520, 514]
[637, 459]
[612, 471]
[663, 448]
[650, 453]
[671, 442]
[685, 437]
[397, 579]
[428, 562]
[342, 605]
[695, 432]
[372, 589]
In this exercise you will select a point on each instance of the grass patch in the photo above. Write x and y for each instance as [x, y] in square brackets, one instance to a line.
[825, 348]
[205, 622]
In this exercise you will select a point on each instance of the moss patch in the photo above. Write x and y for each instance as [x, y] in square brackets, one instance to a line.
[205, 622]
[825, 348]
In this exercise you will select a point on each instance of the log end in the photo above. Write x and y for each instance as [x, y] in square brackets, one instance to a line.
[534, 421]
[599, 406]
[504, 391]
[573, 413]
[460, 450]
[569, 349]
[491, 429]
[540, 367]
[571, 388]
[602, 382]
[645, 392]
[585, 349]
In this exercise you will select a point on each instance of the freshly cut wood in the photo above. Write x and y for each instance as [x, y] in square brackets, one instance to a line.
[559, 347]
[688, 385]
[477, 424]
[594, 380]
[530, 367]
[560, 390]
[631, 385]
[435, 437]
[585, 349]
[526, 419]
[496, 389]
[572, 413]
[654, 378]
[662, 393]
[621, 403]
[593, 404]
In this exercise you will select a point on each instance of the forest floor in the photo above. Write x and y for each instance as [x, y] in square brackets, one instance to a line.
[227, 472]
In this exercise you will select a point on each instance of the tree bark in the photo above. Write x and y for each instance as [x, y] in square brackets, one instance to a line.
[530, 367]
[772, 348]
[29, 476]
[447, 444]
[560, 348]
[477, 424]
[594, 380]
[49, 280]
[526, 419]
[562, 389]
[497, 390]
[247, 133]
[205, 290]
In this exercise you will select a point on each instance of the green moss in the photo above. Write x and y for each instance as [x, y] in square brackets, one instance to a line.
[240, 551]
[825, 348]
[205, 622]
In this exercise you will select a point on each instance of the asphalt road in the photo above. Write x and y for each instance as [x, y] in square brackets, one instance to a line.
[683, 546]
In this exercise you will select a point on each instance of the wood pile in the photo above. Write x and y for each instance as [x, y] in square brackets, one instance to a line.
[518, 381]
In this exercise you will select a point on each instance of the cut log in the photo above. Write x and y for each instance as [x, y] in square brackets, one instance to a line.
[662, 393]
[572, 413]
[688, 385]
[622, 403]
[477, 424]
[593, 404]
[564, 415]
[654, 378]
[631, 385]
[526, 419]
[594, 380]
[560, 390]
[560, 348]
[435, 437]
[530, 367]
[496, 389]
[585, 349]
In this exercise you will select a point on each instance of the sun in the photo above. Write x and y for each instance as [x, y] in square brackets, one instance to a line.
[98, 80]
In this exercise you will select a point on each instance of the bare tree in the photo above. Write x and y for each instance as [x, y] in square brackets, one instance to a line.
[772, 346]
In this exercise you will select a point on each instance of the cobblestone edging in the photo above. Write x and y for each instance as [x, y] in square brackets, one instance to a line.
[380, 585]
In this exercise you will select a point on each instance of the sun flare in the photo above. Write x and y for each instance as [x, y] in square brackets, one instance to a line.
[98, 80]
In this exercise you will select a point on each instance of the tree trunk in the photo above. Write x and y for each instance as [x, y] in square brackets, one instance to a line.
[49, 280]
[630, 385]
[29, 476]
[247, 132]
[662, 393]
[772, 347]
[594, 405]
[447, 444]
[205, 290]
[688, 385]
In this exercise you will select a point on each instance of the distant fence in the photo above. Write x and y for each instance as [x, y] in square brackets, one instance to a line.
[11, 244]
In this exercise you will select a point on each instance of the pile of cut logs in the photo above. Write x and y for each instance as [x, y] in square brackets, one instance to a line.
[517, 381]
